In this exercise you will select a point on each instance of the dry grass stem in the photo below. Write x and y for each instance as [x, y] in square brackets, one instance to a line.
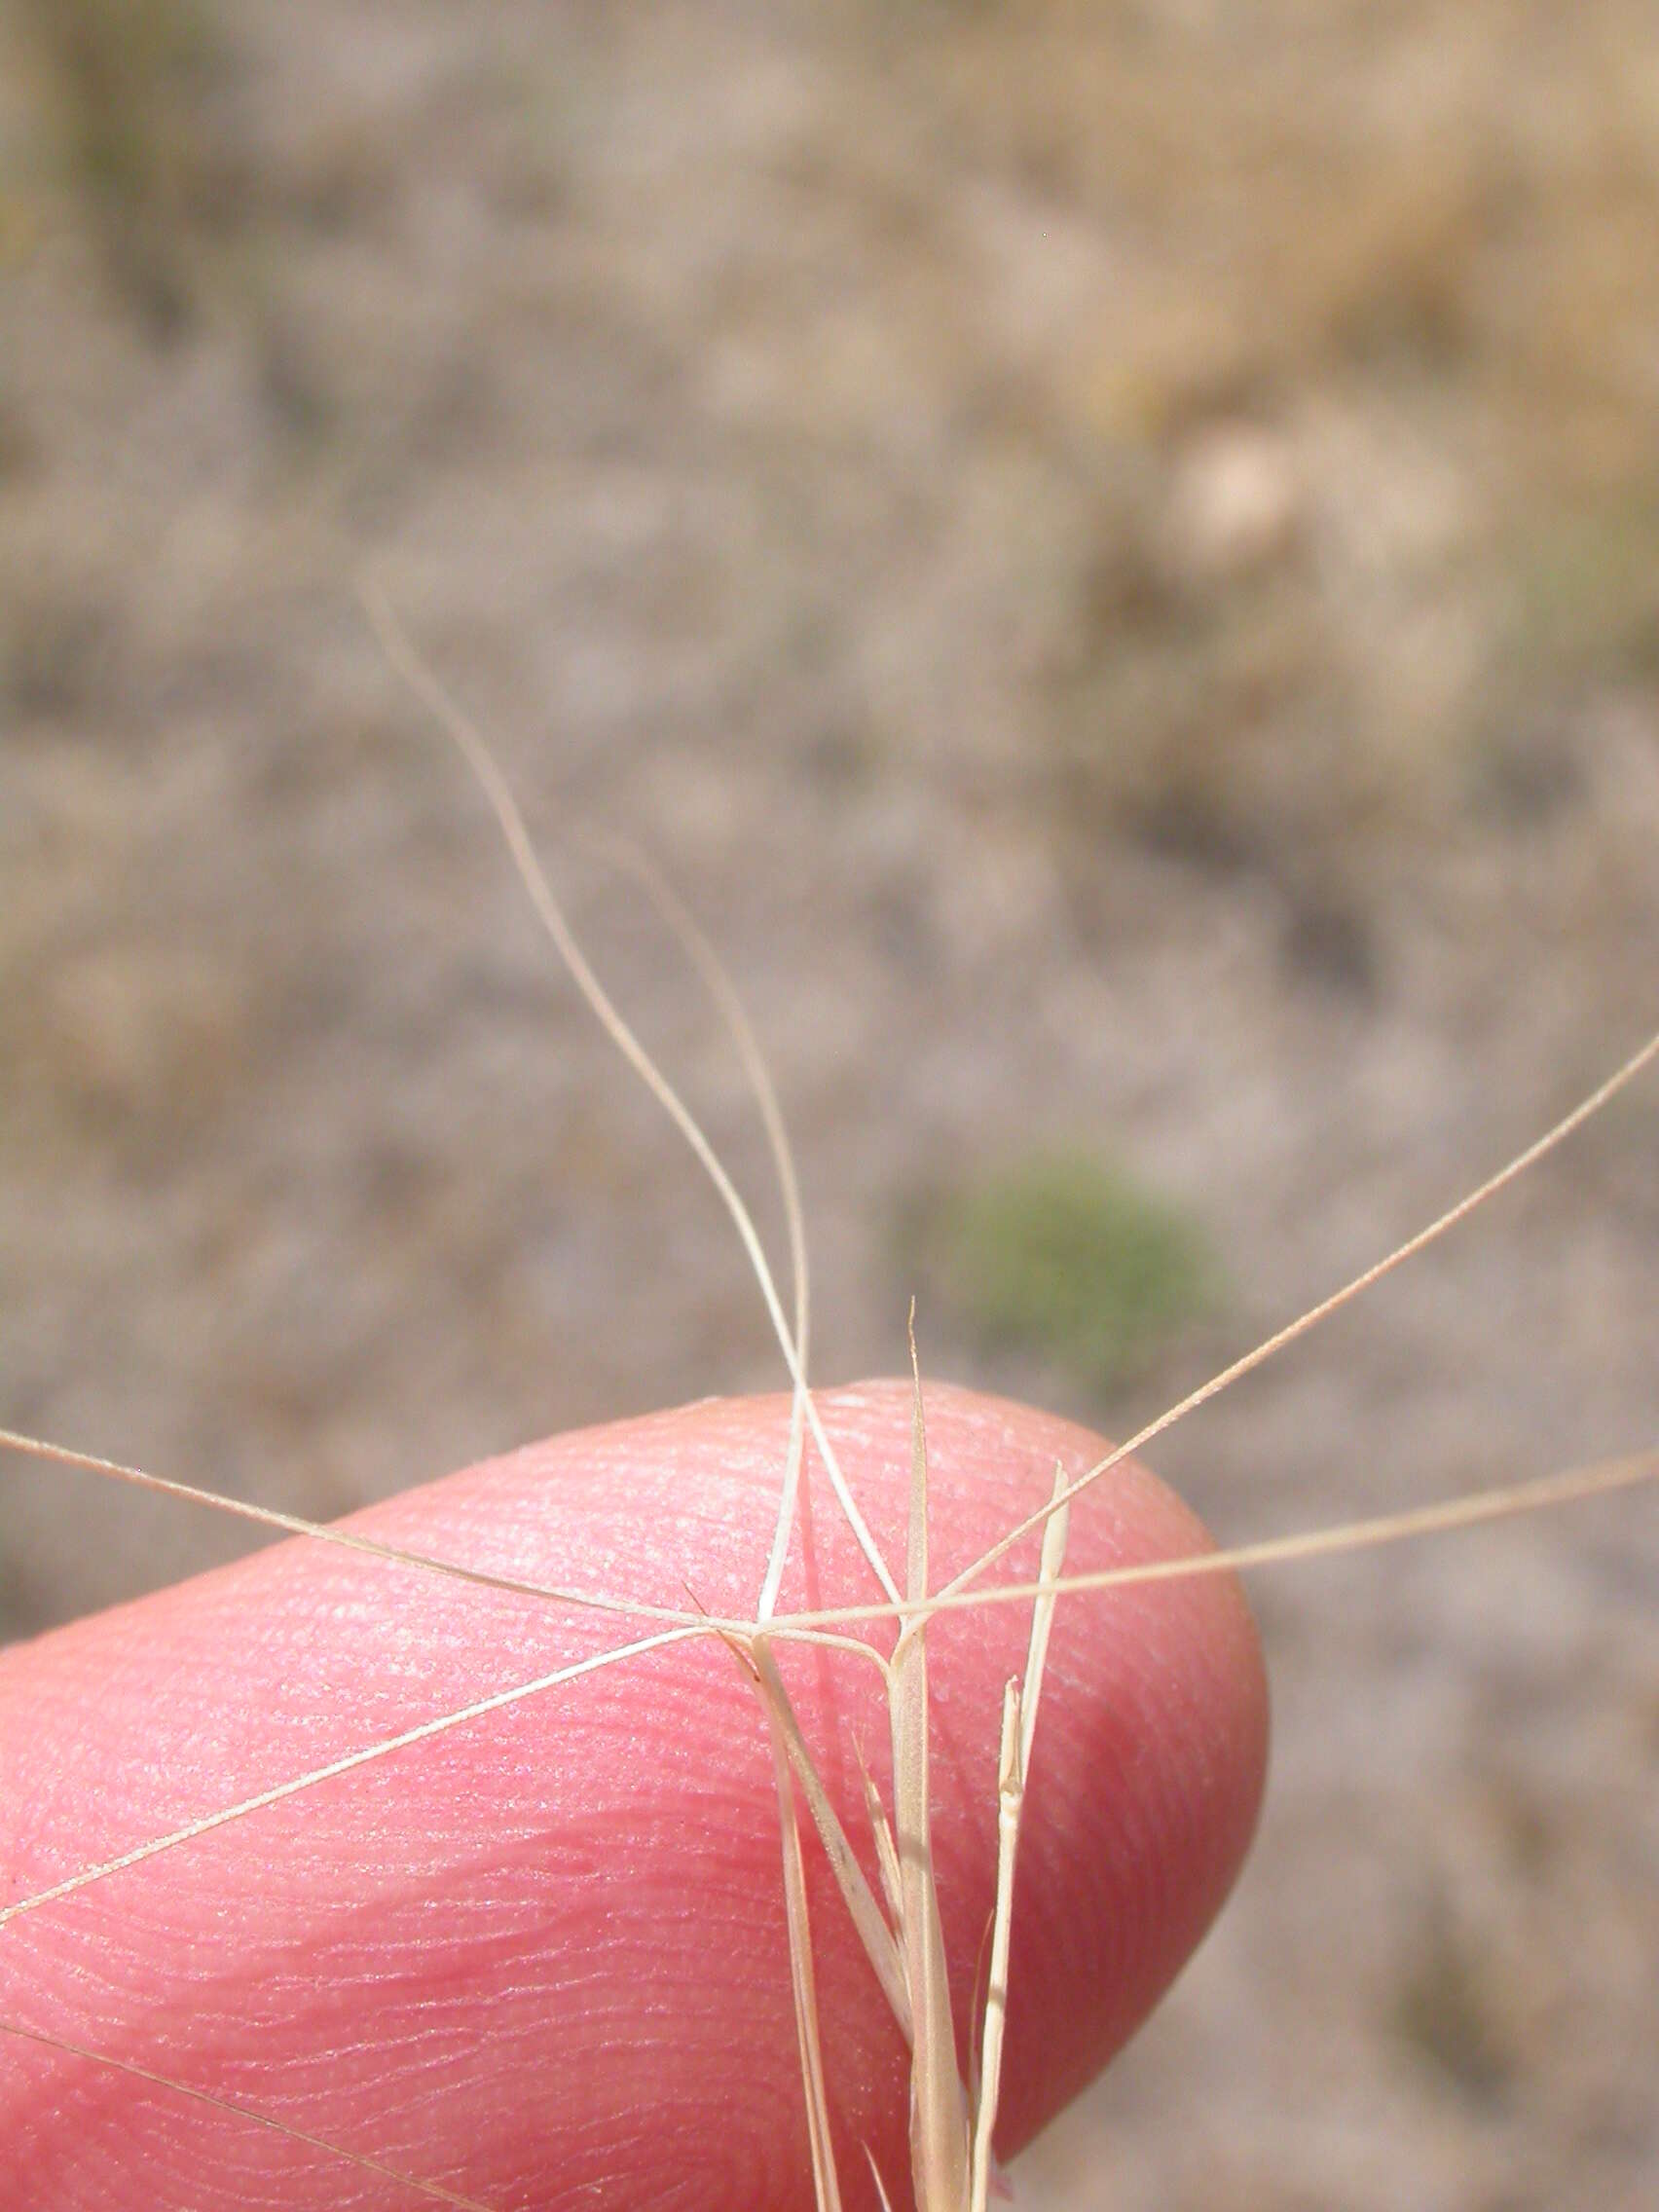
[803, 1986]
[901, 1931]
[874, 1930]
[938, 2121]
[1010, 1791]
[1473, 1509]
[498, 794]
[1585, 1109]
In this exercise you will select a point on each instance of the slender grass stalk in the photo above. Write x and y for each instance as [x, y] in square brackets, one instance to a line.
[953, 2125]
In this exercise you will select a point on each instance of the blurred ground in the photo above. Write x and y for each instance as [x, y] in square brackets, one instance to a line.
[1113, 554]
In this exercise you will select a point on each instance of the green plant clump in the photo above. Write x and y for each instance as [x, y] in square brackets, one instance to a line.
[131, 79]
[1066, 1256]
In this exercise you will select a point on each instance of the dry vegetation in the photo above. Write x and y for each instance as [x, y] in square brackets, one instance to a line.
[1113, 551]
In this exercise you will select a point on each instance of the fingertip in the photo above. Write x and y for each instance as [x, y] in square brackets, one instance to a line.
[545, 1959]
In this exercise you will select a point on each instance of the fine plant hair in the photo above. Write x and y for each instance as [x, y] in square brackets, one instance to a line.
[897, 1919]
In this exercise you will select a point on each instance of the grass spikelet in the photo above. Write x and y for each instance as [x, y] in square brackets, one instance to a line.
[874, 1930]
[1011, 1795]
[939, 2120]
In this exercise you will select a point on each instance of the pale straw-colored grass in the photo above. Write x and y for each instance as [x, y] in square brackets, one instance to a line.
[952, 2122]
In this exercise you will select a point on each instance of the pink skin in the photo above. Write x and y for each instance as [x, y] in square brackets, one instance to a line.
[542, 1959]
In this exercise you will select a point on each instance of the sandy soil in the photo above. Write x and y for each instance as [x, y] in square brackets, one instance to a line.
[1110, 555]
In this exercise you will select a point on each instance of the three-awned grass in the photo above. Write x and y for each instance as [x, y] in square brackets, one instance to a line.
[952, 2122]
[950, 2129]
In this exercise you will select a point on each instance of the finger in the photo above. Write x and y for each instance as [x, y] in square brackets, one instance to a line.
[540, 1960]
